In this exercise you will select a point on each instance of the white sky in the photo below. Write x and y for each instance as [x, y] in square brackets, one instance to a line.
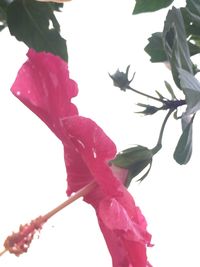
[101, 37]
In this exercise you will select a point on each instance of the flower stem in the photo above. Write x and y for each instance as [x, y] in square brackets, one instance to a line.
[82, 192]
[143, 94]
[159, 143]
[3, 251]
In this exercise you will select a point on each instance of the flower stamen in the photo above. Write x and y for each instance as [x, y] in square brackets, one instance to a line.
[19, 242]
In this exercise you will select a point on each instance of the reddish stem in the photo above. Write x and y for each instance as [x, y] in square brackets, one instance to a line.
[81, 193]
[18, 243]
[2, 252]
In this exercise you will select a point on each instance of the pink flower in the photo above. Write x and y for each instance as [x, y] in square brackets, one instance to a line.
[44, 86]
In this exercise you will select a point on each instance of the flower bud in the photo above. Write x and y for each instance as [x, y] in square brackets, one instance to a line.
[120, 79]
[135, 159]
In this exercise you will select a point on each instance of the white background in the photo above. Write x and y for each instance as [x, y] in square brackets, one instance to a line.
[101, 36]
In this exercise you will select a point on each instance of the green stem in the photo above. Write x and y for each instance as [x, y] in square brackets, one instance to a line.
[159, 143]
[146, 95]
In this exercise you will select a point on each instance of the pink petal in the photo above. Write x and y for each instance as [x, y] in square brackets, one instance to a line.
[44, 86]
[116, 217]
[95, 149]
[123, 231]
[124, 252]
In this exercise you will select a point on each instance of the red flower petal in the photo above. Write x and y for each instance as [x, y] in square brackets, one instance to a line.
[123, 229]
[48, 92]
[44, 86]
[124, 252]
[95, 149]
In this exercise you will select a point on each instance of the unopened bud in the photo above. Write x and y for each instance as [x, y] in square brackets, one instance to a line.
[120, 79]
[135, 159]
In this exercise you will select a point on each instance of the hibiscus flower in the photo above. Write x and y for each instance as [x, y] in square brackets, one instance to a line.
[44, 86]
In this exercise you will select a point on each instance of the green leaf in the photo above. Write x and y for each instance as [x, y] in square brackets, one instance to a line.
[155, 48]
[156, 51]
[191, 88]
[3, 16]
[191, 16]
[193, 6]
[2, 27]
[194, 49]
[56, 6]
[150, 5]
[175, 44]
[29, 21]
[183, 151]
[2, 13]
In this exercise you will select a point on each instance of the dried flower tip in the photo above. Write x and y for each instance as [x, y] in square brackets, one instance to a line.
[18, 243]
[120, 79]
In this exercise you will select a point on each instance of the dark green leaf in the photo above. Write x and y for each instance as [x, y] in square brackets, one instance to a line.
[2, 27]
[150, 5]
[183, 151]
[191, 16]
[193, 6]
[155, 48]
[29, 21]
[191, 22]
[175, 44]
[56, 6]
[191, 88]
[194, 49]
[3, 16]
